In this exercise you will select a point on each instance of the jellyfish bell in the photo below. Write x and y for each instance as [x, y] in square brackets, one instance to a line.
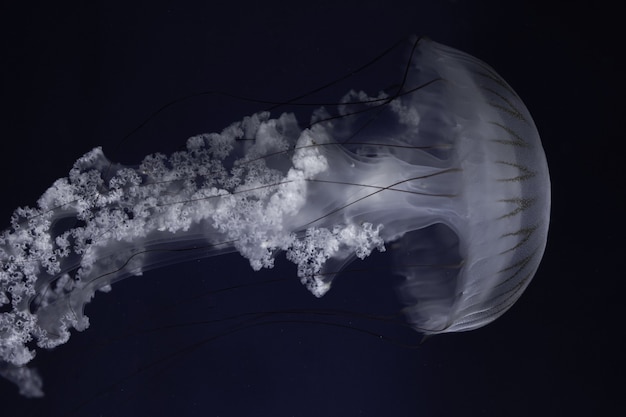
[446, 171]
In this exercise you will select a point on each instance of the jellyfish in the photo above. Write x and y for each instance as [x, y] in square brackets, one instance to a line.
[446, 172]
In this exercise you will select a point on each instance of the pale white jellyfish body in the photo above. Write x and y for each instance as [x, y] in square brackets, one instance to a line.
[448, 174]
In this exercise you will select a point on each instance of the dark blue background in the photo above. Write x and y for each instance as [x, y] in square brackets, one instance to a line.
[78, 77]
